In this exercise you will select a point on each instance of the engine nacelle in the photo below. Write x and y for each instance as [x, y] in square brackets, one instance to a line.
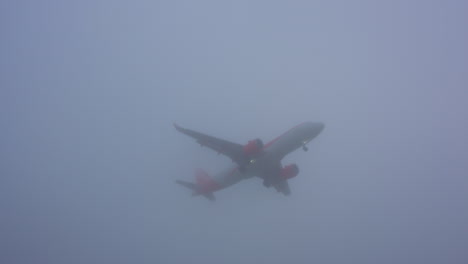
[289, 171]
[253, 147]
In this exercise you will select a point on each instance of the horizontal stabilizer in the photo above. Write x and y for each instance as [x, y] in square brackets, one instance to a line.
[188, 185]
[209, 196]
[194, 188]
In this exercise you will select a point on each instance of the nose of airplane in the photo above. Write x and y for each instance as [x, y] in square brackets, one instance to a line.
[312, 129]
[320, 126]
[317, 128]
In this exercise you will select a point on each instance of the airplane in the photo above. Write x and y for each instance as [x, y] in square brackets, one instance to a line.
[252, 159]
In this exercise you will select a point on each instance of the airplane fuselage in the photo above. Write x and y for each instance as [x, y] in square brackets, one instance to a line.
[293, 139]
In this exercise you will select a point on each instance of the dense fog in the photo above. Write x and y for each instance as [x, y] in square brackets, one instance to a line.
[88, 154]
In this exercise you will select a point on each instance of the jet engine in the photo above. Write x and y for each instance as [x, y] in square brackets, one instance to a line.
[253, 147]
[289, 171]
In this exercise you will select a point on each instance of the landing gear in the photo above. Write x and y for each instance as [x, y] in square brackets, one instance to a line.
[305, 148]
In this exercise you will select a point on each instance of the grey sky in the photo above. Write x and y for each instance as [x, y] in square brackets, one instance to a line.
[88, 154]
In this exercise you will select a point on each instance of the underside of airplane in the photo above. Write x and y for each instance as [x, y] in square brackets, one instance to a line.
[254, 159]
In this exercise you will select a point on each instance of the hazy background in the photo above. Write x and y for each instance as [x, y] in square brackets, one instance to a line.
[88, 154]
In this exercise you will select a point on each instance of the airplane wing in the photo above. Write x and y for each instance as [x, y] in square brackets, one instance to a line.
[230, 149]
[283, 187]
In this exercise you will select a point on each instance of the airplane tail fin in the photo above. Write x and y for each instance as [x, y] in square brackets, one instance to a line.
[203, 185]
